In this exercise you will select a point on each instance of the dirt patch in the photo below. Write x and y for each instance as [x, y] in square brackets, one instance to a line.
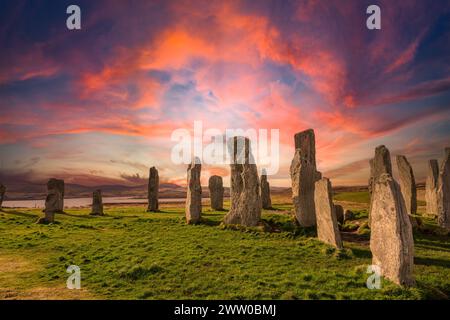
[14, 270]
[44, 293]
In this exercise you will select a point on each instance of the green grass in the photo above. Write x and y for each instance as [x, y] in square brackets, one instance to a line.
[132, 254]
[358, 197]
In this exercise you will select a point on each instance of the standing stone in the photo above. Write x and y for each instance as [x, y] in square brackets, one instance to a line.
[194, 192]
[54, 201]
[408, 187]
[431, 187]
[381, 162]
[153, 190]
[327, 224]
[379, 165]
[265, 191]
[339, 213]
[444, 192]
[215, 185]
[2, 194]
[97, 203]
[304, 174]
[391, 240]
[370, 188]
[245, 189]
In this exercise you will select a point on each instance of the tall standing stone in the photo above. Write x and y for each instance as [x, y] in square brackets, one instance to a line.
[431, 187]
[54, 201]
[215, 186]
[327, 224]
[194, 192]
[245, 189]
[444, 192]
[304, 174]
[407, 186]
[97, 203]
[2, 194]
[153, 190]
[379, 165]
[265, 191]
[391, 239]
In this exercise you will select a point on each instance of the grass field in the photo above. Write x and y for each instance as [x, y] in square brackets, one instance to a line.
[132, 254]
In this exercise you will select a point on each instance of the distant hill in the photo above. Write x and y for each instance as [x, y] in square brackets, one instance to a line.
[26, 190]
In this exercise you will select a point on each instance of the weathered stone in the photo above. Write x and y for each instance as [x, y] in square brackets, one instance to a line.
[265, 191]
[245, 189]
[97, 203]
[327, 224]
[339, 210]
[304, 174]
[431, 187]
[444, 192]
[306, 142]
[407, 184]
[381, 162]
[391, 240]
[54, 201]
[215, 185]
[194, 192]
[370, 187]
[408, 187]
[153, 190]
[379, 165]
[2, 194]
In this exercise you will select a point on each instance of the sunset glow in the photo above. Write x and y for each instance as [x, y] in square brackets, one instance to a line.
[98, 105]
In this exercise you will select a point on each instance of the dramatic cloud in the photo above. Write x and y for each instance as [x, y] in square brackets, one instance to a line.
[100, 104]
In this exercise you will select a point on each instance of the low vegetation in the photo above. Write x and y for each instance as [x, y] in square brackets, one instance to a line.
[132, 254]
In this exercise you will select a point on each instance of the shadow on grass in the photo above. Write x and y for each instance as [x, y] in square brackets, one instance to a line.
[277, 209]
[432, 241]
[21, 214]
[213, 214]
[209, 222]
[432, 246]
[432, 262]
[84, 216]
[361, 253]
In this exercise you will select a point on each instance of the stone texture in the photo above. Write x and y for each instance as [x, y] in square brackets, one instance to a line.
[245, 189]
[2, 194]
[431, 187]
[407, 186]
[265, 191]
[370, 187]
[379, 165]
[444, 192]
[215, 186]
[381, 162]
[97, 203]
[194, 192]
[304, 174]
[54, 201]
[391, 240]
[339, 210]
[327, 224]
[153, 190]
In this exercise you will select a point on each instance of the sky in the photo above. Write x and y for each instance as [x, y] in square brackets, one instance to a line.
[99, 105]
